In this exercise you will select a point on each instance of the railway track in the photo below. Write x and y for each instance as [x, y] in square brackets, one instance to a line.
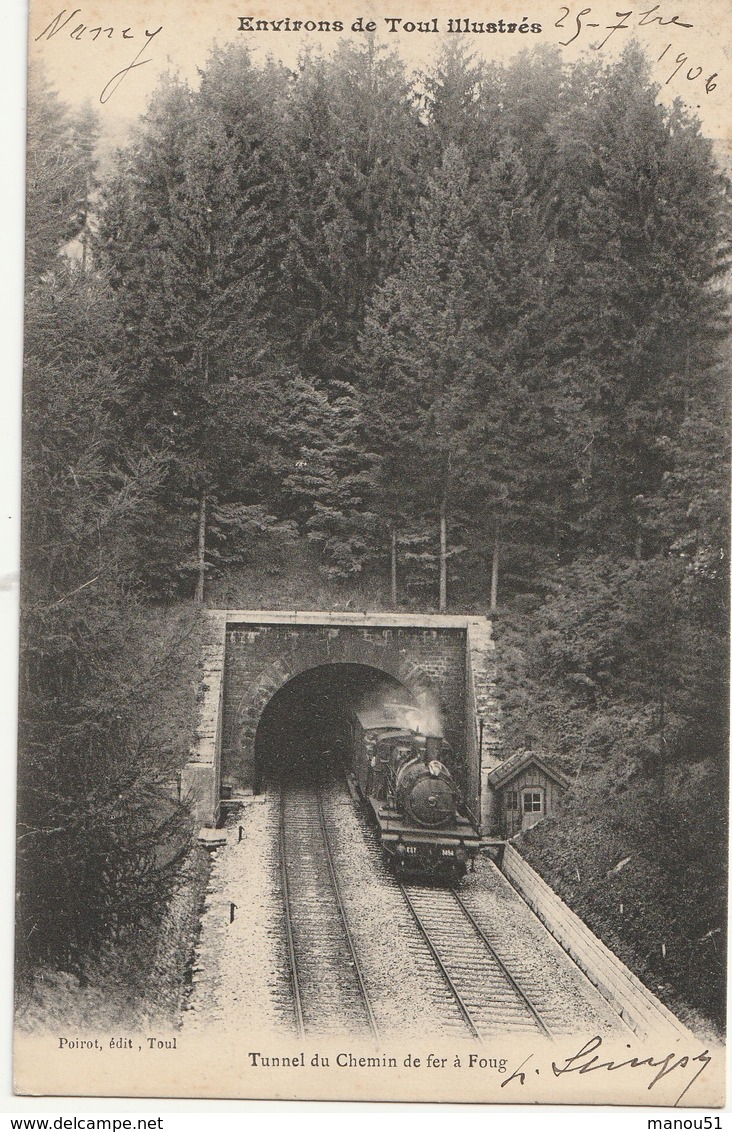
[488, 996]
[328, 987]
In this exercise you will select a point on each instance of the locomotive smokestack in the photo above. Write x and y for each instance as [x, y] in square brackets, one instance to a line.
[434, 749]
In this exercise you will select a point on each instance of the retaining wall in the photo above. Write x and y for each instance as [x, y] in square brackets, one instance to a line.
[635, 1004]
[200, 780]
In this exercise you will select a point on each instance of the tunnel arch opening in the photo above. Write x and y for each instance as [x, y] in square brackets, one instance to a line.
[302, 733]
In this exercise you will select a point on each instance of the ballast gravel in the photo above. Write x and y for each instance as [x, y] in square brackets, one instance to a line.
[240, 975]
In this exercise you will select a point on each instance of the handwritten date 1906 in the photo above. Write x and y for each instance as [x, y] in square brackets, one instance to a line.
[652, 17]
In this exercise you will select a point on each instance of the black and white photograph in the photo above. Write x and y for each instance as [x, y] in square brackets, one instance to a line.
[373, 684]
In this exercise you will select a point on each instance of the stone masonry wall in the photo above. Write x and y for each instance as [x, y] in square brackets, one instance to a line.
[447, 663]
[201, 776]
[483, 732]
[261, 658]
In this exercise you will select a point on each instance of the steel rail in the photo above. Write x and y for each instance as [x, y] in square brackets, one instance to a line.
[440, 963]
[288, 925]
[344, 919]
[502, 966]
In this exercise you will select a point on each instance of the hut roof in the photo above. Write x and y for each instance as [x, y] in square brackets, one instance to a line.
[512, 766]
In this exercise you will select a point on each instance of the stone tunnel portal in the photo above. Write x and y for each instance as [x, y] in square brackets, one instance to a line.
[302, 733]
[247, 707]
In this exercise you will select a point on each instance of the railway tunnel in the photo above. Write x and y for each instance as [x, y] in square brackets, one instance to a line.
[277, 684]
[302, 732]
[276, 690]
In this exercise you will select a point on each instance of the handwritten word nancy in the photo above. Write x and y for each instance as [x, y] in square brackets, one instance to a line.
[576, 23]
[83, 33]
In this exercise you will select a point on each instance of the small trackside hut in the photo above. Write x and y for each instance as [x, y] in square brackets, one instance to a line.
[525, 790]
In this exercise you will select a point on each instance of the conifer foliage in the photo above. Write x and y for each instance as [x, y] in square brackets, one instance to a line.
[462, 333]
[97, 825]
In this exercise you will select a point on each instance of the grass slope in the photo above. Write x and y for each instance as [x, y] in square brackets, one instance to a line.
[655, 902]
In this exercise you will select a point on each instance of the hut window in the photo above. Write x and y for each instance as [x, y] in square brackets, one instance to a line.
[532, 802]
[512, 800]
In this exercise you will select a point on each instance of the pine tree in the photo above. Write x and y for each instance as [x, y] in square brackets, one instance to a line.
[190, 241]
[353, 138]
[60, 163]
[537, 89]
[421, 360]
[636, 230]
[95, 817]
[333, 485]
[464, 105]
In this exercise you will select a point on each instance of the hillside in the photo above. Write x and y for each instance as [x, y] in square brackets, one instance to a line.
[352, 337]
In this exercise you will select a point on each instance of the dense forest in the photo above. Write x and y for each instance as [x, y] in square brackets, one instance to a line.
[454, 340]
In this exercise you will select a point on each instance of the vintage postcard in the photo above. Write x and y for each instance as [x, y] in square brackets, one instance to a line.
[373, 671]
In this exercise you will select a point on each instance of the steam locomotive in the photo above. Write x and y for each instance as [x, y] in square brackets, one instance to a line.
[402, 778]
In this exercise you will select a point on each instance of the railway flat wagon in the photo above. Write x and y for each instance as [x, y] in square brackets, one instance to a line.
[402, 776]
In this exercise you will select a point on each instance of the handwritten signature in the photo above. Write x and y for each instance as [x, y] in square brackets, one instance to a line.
[587, 1061]
[83, 32]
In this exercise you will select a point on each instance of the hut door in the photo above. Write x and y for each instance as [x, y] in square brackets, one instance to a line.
[512, 816]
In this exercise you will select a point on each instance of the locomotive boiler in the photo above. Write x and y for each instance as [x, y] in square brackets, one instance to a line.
[404, 780]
